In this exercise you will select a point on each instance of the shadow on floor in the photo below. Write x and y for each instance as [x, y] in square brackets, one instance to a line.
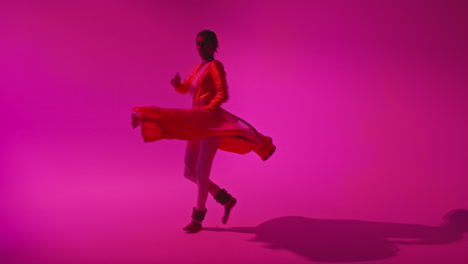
[330, 240]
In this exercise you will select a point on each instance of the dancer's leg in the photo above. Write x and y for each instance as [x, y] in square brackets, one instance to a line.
[208, 147]
[191, 158]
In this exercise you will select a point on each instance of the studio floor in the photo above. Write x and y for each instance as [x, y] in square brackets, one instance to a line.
[140, 221]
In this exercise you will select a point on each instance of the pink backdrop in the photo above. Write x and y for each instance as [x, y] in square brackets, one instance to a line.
[365, 101]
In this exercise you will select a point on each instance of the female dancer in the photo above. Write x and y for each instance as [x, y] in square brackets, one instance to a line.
[206, 126]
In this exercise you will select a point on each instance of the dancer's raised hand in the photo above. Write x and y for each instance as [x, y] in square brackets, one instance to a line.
[176, 80]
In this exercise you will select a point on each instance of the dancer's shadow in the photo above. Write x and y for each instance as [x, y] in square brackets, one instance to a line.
[330, 240]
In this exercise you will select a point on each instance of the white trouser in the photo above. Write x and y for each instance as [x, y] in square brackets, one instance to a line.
[199, 156]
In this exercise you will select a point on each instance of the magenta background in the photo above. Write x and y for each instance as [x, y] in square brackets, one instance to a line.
[365, 101]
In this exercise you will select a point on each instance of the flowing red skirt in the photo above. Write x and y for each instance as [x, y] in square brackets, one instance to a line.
[238, 136]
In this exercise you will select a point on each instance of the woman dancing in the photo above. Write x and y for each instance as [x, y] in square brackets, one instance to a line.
[206, 127]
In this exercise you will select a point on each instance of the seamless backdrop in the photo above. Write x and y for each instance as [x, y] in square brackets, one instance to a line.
[365, 100]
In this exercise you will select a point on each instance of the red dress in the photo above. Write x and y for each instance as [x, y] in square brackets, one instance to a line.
[208, 86]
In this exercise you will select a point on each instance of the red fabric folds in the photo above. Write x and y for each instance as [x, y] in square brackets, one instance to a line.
[238, 136]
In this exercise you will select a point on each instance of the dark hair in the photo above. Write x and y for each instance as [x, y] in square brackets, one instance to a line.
[210, 36]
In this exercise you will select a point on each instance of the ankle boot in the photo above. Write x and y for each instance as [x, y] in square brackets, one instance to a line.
[224, 198]
[198, 216]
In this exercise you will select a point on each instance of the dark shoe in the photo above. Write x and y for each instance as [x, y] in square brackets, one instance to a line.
[197, 216]
[224, 198]
[193, 227]
[227, 209]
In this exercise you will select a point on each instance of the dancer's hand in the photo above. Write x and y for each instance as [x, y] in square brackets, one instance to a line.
[176, 80]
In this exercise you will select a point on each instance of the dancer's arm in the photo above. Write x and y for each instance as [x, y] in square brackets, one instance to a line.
[220, 84]
[182, 87]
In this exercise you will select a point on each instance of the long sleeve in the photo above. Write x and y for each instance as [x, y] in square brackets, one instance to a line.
[184, 86]
[220, 85]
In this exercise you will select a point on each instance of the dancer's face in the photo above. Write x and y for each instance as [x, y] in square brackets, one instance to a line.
[205, 48]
